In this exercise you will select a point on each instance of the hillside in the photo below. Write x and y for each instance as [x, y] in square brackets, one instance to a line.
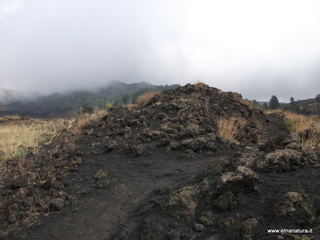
[116, 88]
[70, 104]
[190, 163]
[306, 106]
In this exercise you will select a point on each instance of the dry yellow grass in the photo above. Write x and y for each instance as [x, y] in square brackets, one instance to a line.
[299, 123]
[98, 114]
[17, 135]
[248, 103]
[274, 111]
[228, 127]
[144, 99]
[131, 106]
[77, 124]
[200, 84]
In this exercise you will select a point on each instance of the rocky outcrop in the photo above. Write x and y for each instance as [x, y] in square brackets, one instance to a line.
[181, 119]
[287, 205]
[182, 203]
[243, 179]
[281, 161]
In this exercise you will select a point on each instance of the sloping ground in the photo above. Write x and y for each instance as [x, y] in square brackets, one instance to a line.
[69, 104]
[307, 106]
[164, 172]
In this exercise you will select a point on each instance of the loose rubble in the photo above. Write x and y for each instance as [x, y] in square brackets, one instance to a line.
[163, 171]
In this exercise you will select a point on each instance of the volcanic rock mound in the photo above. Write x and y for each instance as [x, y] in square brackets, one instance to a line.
[167, 171]
[184, 118]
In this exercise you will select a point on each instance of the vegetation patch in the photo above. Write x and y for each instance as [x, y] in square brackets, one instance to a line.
[146, 98]
[308, 127]
[201, 84]
[18, 135]
[229, 127]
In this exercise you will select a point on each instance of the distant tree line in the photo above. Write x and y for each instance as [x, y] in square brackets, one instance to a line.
[272, 104]
[293, 106]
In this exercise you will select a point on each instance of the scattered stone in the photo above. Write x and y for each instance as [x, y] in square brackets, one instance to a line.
[183, 120]
[84, 191]
[294, 146]
[182, 203]
[73, 169]
[174, 145]
[243, 231]
[286, 205]
[198, 227]
[277, 142]
[63, 195]
[281, 161]
[56, 204]
[225, 223]
[240, 180]
[17, 183]
[214, 237]
[101, 174]
[13, 212]
[126, 132]
[217, 166]
[125, 233]
[162, 116]
[188, 154]
[103, 184]
[191, 130]
[199, 144]
[111, 145]
[227, 201]
[76, 161]
[207, 218]
[144, 150]
[46, 185]
[57, 185]
[311, 156]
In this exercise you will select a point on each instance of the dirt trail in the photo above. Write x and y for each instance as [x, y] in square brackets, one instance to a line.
[98, 213]
[163, 171]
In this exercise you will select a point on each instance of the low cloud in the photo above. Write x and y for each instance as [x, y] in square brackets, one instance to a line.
[256, 48]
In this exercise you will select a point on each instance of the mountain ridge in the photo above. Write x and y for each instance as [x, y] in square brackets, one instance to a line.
[68, 104]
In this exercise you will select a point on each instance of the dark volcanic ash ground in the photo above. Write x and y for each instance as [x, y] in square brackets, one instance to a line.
[162, 171]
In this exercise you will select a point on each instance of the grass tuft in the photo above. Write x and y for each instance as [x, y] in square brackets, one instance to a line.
[228, 127]
[201, 84]
[146, 98]
[301, 123]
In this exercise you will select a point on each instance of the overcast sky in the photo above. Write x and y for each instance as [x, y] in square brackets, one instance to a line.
[259, 48]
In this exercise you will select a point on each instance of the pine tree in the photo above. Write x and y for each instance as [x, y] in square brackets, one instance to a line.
[291, 100]
[274, 102]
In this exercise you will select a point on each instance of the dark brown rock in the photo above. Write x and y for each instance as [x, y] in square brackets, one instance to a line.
[182, 203]
[281, 161]
[56, 204]
[243, 179]
[227, 201]
[286, 205]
